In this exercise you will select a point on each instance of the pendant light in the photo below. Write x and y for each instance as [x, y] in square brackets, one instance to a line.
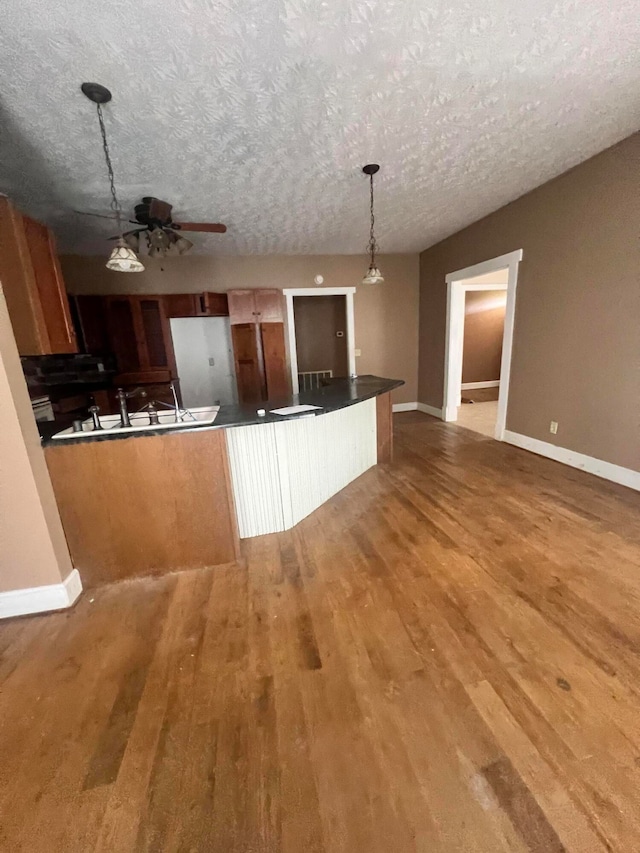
[373, 276]
[123, 258]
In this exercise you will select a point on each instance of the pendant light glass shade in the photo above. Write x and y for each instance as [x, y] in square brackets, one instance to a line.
[373, 276]
[124, 259]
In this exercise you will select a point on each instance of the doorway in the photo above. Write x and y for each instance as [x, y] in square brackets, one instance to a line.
[321, 342]
[320, 334]
[204, 361]
[497, 278]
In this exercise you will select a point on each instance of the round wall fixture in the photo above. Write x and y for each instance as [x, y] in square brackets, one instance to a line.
[319, 279]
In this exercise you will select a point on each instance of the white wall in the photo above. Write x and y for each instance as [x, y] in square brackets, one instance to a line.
[197, 341]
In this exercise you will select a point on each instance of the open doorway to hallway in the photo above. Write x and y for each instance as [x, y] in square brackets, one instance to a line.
[321, 341]
[484, 311]
[499, 276]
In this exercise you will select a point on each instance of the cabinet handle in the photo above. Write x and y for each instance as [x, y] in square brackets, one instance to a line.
[203, 309]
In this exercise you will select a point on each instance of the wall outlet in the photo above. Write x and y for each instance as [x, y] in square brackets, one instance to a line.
[357, 353]
[212, 362]
[553, 427]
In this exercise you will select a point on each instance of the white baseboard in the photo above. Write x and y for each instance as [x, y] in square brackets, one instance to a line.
[405, 407]
[606, 470]
[39, 599]
[430, 410]
[491, 383]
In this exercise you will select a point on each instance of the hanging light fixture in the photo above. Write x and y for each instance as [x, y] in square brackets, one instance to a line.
[123, 258]
[373, 276]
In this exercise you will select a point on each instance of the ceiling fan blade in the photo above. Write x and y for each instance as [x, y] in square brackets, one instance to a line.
[211, 227]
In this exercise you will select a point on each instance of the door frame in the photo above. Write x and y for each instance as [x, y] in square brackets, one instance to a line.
[454, 338]
[289, 294]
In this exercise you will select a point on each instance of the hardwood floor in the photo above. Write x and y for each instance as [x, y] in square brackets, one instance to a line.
[445, 657]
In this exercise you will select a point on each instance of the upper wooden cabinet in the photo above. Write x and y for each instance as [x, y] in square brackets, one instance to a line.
[255, 306]
[208, 304]
[140, 337]
[33, 286]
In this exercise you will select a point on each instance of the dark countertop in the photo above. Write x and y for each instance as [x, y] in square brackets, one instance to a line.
[339, 394]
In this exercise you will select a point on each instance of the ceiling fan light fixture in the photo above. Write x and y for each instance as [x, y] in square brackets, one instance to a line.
[183, 245]
[158, 239]
[124, 259]
[133, 241]
[373, 275]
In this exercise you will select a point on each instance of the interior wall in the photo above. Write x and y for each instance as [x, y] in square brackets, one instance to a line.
[386, 316]
[576, 346]
[317, 320]
[33, 549]
[484, 312]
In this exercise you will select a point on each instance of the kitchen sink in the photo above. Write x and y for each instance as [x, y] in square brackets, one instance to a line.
[200, 416]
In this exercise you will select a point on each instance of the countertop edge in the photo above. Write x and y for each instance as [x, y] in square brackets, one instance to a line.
[366, 387]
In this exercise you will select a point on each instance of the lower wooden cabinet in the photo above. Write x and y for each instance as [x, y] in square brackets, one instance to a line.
[261, 361]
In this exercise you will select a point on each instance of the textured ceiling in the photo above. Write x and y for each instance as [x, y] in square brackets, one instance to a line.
[260, 113]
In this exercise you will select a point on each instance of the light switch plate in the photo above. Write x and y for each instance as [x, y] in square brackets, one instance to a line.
[357, 353]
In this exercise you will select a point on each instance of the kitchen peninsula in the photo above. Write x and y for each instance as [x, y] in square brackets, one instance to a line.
[163, 500]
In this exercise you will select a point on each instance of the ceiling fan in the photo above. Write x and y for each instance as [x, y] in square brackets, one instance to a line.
[157, 229]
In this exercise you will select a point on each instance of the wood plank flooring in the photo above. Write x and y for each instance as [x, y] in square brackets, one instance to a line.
[445, 657]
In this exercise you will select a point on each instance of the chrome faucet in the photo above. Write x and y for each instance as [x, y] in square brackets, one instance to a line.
[121, 397]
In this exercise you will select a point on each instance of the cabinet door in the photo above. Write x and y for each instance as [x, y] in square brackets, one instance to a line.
[92, 328]
[182, 305]
[269, 306]
[123, 334]
[156, 333]
[214, 304]
[242, 306]
[19, 284]
[51, 290]
[248, 361]
[275, 361]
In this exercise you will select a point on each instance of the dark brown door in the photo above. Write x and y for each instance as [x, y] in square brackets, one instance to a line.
[275, 361]
[242, 306]
[268, 304]
[51, 289]
[248, 361]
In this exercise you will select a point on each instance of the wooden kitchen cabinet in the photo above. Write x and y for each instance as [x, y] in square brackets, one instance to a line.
[247, 354]
[275, 360]
[140, 338]
[255, 306]
[207, 304]
[257, 332]
[214, 304]
[33, 285]
[182, 305]
[91, 324]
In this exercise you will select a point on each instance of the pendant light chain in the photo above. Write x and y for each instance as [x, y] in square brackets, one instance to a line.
[114, 204]
[372, 239]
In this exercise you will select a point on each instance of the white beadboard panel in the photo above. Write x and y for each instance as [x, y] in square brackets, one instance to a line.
[255, 474]
[282, 472]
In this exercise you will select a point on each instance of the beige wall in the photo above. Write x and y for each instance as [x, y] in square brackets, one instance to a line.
[33, 550]
[386, 316]
[318, 346]
[483, 331]
[576, 354]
